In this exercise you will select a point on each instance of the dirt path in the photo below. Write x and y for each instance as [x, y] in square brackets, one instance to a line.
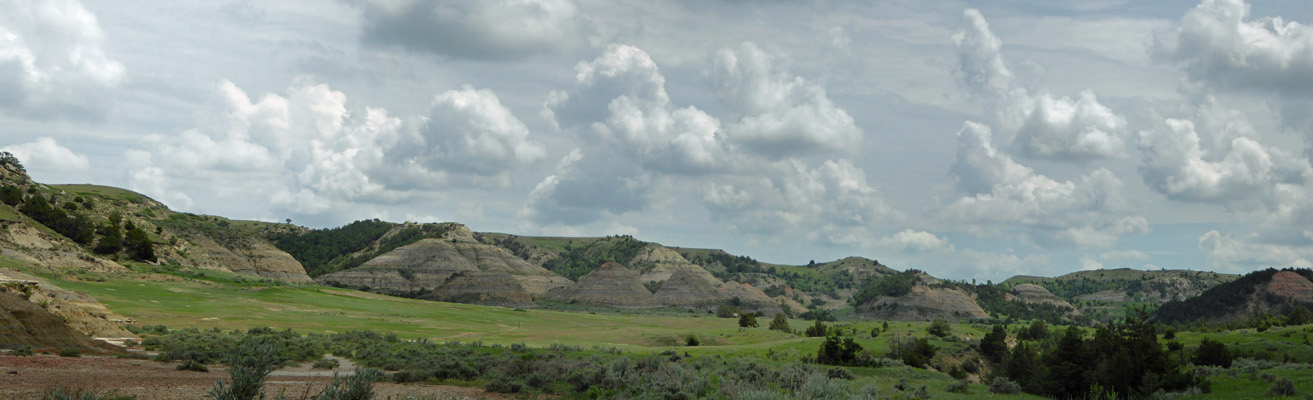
[32, 377]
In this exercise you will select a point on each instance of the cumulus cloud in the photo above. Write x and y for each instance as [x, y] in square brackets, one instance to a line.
[469, 130]
[310, 153]
[1212, 155]
[1043, 125]
[832, 203]
[621, 96]
[46, 156]
[1246, 252]
[1219, 44]
[780, 114]
[1176, 165]
[481, 30]
[52, 61]
[913, 241]
[584, 189]
[997, 192]
[980, 63]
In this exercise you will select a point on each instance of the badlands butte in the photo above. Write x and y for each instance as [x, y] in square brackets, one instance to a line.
[74, 229]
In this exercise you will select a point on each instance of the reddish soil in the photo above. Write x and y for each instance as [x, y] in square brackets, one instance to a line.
[32, 377]
[1292, 286]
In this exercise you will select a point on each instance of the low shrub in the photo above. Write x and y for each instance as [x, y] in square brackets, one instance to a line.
[1282, 387]
[357, 386]
[23, 351]
[70, 352]
[193, 365]
[959, 386]
[326, 363]
[1002, 385]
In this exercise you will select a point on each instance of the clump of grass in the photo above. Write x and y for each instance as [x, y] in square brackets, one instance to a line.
[326, 363]
[70, 352]
[193, 365]
[24, 351]
[357, 386]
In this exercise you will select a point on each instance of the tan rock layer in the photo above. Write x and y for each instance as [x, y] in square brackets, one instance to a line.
[611, 285]
[429, 263]
[25, 323]
[689, 289]
[487, 288]
[924, 304]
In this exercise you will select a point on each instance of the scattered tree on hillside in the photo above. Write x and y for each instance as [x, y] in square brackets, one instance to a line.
[111, 236]
[748, 320]
[817, 330]
[1038, 330]
[1212, 352]
[836, 351]
[7, 158]
[11, 195]
[1022, 366]
[1066, 368]
[139, 245]
[939, 327]
[780, 323]
[915, 352]
[994, 345]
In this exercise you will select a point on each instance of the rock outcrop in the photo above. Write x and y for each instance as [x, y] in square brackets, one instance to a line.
[25, 323]
[79, 311]
[924, 303]
[428, 263]
[750, 299]
[486, 288]
[22, 241]
[611, 285]
[246, 256]
[1030, 293]
[660, 263]
[688, 289]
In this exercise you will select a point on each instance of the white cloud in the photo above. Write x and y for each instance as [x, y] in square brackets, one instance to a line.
[1176, 165]
[913, 241]
[470, 130]
[1088, 263]
[1218, 43]
[1246, 252]
[45, 156]
[482, 30]
[52, 61]
[832, 203]
[1000, 193]
[584, 189]
[979, 59]
[780, 114]
[621, 96]
[1044, 125]
[308, 153]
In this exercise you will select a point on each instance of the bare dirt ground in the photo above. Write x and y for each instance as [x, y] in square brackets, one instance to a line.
[33, 377]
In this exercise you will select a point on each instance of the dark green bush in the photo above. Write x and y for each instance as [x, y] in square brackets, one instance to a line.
[70, 352]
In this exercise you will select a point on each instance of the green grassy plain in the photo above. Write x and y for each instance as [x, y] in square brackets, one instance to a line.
[177, 298]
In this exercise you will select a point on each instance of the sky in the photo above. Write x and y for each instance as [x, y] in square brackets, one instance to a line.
[971, 140]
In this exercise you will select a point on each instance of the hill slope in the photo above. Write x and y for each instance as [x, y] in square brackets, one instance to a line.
[1268, 291]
